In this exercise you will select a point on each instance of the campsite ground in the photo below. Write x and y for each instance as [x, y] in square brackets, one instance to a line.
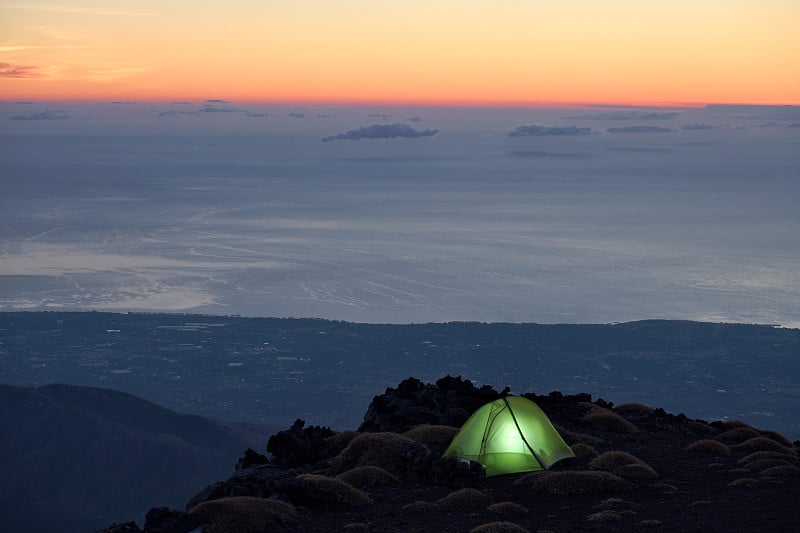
[636, 468]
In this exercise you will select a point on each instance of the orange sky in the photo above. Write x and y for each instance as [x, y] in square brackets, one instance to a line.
[444, 52]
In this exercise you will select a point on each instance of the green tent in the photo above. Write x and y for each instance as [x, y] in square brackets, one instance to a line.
[509, 435]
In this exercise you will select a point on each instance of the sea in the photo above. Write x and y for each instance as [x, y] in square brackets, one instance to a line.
[388, 214]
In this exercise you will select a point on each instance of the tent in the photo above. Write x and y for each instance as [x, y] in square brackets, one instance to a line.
[511, 434]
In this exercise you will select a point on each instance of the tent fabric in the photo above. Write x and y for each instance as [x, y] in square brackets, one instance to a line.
[511, 434]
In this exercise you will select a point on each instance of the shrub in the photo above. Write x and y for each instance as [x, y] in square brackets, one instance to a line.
[367, 476]
[745, 482]
[700, 427]
[389, 451]
[759, 456]
[638, 410]
[467, 498]
[709, 446]
[604, 517]
[499, 527]
[731, 424]
[338, 442]
[421, 507]
[781, 471]
[763, 444]
[738, 434]
[648, 523]
[763, 464]
[435, 437]
[244, 514]
[574, 436]
[356, 526]
[609, 421]
[316, 489]
[663, 488]
[573, 482]
[615, 503]
[610, 460]
[777, 437]
[636, 472]
[507, 508]
[583, 452]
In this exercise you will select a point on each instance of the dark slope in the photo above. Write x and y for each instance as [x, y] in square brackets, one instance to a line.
[75, 458]
[657, 472]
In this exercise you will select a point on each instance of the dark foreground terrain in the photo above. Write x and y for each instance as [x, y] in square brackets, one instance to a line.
[636, 468]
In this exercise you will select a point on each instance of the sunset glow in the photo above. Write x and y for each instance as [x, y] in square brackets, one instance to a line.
[506, 52]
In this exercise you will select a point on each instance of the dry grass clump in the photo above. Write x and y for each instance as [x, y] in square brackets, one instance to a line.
[498, 527]
[367, 476]
[322, 489]
[421, 507]
[648, 523]
[574, 436]
[356, 526]
[609, 421]
[573, 482]
[663, 488]
[339, 441]
[745, 482]
[604, 517]
[583, 452]
[611, 504]
[608, 461]
[435, 437]
[738, 434]
[739, 472]
[709, 446]
[244, 514]
[763, 444]
[700, 427]
[781, 471]
[758, 456]
[507, 508]
[777, 437]
[384, 450]
[634, 409]
[732, 424]
[467, 498]
[763, 464]
[636, 472]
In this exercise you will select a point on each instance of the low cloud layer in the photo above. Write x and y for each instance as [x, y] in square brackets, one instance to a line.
[539, 130]
[630, 115]
[297, 114]
[10, 70]
[47, 114]
[698, 127]
[382, 131]
[639, 129]
[217, 101]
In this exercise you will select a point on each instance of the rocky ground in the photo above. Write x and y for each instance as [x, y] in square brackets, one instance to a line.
[636, 468]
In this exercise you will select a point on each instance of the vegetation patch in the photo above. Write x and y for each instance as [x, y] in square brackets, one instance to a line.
[467, 498]
[421, 507]
[781, 471]
[777, 437]
[435, 437]
[738, 434]
[609, 421]
[584, 452]
[367, 476]
[758, 456]
[709, 446]
[499, 527]
[389, 451]
[615, 504]
[576, 437]
[638, 410]
[316, 489]
[700, 428]
[507, 508]
[574, 482]
[648, 523]
[604, 517]
[763, 464]
[764, 444]
[246, 515]
[744, 482]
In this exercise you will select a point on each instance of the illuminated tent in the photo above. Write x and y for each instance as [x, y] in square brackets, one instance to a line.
[509, 435]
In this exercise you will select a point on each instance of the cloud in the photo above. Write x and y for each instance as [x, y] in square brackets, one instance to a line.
[25, 102]
[123, 102]
[297, 114]
[381, 131]
[325, 115]
[698, 127]
[639, 129]
[47, 114]
[215, 109]
[539, 130]
[253, 114]
[796, 125]
[216, 101]
[9, 70]
[380, 116]
[414, 119]
[541, 154]
[182, 103]
[630, 115]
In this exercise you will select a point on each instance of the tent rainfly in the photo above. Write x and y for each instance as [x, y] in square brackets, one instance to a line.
[509, 435]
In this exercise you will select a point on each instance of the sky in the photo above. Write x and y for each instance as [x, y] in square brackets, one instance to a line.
[448, 52]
